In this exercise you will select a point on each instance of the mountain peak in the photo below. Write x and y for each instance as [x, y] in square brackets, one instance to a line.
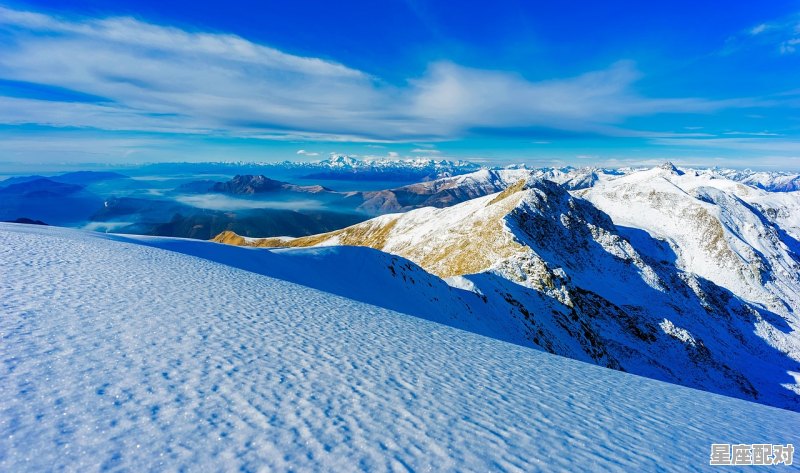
[341, 160]
[669, 166]
[248, 184]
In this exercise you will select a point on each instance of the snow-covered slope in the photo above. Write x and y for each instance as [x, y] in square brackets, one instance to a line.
[120, 355]
[361, 274]
[578, 178]
[775, 181]
[448, 191]
[740, 238]
[621, 296]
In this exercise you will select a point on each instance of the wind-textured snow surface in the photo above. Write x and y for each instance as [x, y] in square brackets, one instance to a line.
[128, 357]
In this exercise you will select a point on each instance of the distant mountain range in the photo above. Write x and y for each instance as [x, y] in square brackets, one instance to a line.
[80, 178]
[680, 275]
[69, 200]
[774, 181]
[345, 167]
[337, 167]
[110, 201]
[342, 167]
[442, 192]
[53, 201]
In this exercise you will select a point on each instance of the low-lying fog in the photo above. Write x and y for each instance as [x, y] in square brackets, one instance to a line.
[226, 202]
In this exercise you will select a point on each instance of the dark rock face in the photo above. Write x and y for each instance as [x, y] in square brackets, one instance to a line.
[248, 185]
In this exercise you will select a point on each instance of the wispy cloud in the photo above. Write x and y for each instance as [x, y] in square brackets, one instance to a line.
[466, 98]
[781, 35]
[751, 133]
[61, 147]
[426, 151]
[307, 153]
[165, 79]
[790, 45]
[781, 145]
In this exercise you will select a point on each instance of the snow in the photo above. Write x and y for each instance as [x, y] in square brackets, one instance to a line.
[118, 354]
[713, 225]
[348, 162]
[775, 181]
[693, 285]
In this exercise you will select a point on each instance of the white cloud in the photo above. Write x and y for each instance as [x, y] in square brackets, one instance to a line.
[426, 151]
[144, 36]
[751, 133]
[782, 34]
[307, 153]
[393, 154]
[166, 79]
[464, 98]
[747, 144]
[789, 46]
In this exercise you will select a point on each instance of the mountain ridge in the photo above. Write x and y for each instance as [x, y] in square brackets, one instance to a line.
[585, 291]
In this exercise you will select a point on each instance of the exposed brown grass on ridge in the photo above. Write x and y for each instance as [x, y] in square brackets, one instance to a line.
[369, 233]
[470, 248]
[518, 186]
[230, 238]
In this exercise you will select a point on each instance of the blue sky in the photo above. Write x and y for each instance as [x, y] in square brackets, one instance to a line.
[586, 83]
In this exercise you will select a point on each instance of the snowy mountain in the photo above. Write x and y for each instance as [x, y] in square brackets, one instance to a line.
[142, 353]
[672, 275]
[573, 178]
[775, 181]
[441, 192]
[340, 167]
[335, 168]
[582, 178]
[439, 166]
[577, 178]
[728, 233]
[447, 191]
